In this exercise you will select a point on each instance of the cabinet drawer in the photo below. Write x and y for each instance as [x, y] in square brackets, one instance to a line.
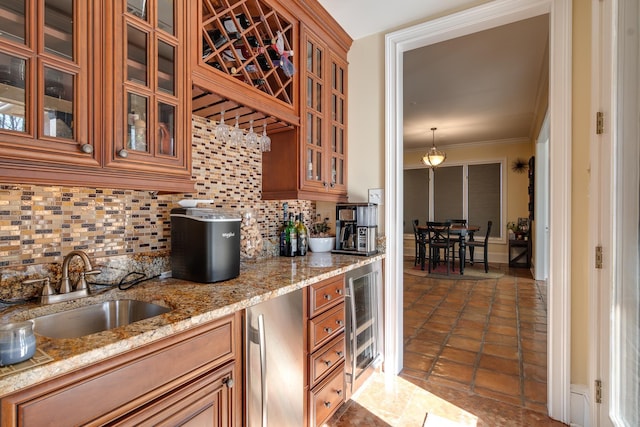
[323, 360]
[325, 294]
[324, 327]
[327, 397]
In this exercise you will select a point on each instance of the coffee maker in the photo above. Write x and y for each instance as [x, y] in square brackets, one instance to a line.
[356, 228]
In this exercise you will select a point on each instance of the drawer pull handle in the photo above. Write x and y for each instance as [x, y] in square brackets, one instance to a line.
[339, 392]
[328, 362]
[327, 404]
[339, 353]
[339, 322]
[327, 296]
[328, 330]
[228, 382]
[339, 291]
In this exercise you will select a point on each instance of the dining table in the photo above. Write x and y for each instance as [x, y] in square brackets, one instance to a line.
[462, 231]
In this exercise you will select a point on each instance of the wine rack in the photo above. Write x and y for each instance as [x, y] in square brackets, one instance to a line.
[251, 41]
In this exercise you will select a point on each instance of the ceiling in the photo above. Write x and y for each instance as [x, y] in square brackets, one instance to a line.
[482, 87]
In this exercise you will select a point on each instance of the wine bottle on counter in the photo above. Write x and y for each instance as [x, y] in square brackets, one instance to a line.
[282, 230]
[291, 238]
[302, 237]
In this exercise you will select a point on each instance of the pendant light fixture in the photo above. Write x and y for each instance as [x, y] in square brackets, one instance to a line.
[434, 158]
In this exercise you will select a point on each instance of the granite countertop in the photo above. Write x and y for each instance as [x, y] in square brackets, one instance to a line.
[191, 303]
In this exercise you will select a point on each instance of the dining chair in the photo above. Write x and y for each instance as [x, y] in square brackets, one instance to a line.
[460, 222]
[439, 240]
[420, 244]
[472, 244]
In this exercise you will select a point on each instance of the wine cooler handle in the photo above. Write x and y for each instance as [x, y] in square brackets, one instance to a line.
[263, 370]
[352, 332]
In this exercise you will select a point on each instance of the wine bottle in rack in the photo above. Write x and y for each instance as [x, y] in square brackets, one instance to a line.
[230, 26]
[263, 63]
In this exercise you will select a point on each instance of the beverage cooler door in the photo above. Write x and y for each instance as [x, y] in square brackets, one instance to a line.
[363, 297]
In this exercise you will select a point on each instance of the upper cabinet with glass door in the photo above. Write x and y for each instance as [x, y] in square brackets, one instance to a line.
[149, 117]
[324, 126]
[44, 108]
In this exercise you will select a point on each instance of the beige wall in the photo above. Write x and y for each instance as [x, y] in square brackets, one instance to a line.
[581, 135]
[366, 119]
[366, 149]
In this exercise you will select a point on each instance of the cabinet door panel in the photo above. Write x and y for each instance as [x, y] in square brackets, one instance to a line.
[151, 129]
[205, 402]
[44, 83]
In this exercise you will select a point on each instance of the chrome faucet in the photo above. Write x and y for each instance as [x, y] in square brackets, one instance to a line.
[65, 283]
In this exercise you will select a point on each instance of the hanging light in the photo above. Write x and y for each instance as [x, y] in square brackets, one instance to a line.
[434, 158]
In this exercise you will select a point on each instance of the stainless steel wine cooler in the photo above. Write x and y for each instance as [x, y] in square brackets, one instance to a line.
[363, 323]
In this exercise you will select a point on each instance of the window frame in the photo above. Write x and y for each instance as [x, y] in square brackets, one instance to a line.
[501, 227]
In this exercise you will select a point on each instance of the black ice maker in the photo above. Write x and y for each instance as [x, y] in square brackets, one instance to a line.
[205, 245]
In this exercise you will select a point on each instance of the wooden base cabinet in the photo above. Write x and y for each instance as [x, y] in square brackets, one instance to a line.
[191, 378]
[325, 349]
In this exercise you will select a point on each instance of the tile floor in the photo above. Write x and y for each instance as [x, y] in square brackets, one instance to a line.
[474, 355]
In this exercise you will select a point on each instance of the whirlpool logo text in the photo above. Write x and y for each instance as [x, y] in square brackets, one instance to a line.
[228, 235]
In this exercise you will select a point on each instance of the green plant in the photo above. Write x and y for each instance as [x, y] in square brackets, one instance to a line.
[320, 228]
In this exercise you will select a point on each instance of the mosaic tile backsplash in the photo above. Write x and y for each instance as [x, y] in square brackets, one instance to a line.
[39, 225]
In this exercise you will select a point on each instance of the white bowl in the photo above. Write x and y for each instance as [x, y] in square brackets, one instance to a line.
[321, 244]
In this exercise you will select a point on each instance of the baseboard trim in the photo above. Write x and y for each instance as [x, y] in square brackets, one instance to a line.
[580, 406]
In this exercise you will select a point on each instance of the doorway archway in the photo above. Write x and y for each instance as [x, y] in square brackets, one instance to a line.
[466, 22]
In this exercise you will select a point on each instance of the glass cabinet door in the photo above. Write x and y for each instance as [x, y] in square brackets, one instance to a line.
[338, 121]
[43, 74]
[314, 107]
[150, 87]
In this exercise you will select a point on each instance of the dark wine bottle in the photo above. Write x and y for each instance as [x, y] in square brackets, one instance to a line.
[282, 230]
[263, 63]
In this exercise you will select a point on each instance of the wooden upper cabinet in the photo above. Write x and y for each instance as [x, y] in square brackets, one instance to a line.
[44, 82]
[310, 162]
[149, 121]
[324, 123]
[95, 93]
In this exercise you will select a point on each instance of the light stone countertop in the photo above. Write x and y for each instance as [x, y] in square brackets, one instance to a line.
[191, 303]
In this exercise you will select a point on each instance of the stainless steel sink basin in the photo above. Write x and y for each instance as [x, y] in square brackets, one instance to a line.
[94, 318]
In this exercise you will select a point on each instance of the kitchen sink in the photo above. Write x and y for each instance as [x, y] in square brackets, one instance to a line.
[94, 318]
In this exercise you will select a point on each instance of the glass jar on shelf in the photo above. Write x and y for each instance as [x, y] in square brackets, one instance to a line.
[250, 237]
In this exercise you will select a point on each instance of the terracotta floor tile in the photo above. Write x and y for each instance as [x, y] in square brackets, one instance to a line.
[535, 345]
[506, 351]
[499, 364]
[457, 355]
[535, 372]
[460, 331]
[464, 343]
[535, 357]
[535, 391]
[496, 381]
[495, 338]
[507, 330]
[511, 399]
[427, 348]
[417, 361]
[438, 327]
[452, 371]
[430, 336]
